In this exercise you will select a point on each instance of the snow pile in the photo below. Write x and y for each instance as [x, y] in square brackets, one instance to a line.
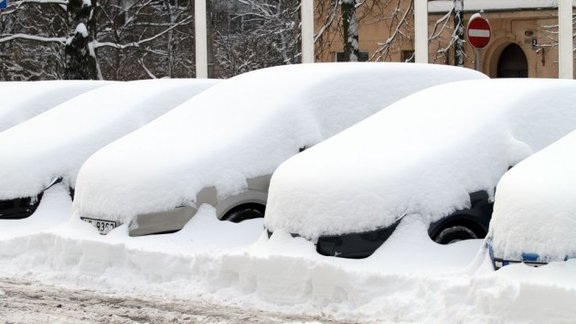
[422, 155]
[405, 283]
[23, 100]
[242, 128]
[535, 209]
[56, 143]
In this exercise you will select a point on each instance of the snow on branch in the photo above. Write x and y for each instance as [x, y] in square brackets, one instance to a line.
[143, 41]
[60, 40]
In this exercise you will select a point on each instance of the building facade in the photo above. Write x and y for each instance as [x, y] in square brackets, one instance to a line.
[524, 40]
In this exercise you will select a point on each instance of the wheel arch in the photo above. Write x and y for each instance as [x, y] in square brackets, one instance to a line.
[460, 219]
[245, 198]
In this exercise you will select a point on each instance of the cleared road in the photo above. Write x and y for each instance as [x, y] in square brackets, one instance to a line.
[32, 302]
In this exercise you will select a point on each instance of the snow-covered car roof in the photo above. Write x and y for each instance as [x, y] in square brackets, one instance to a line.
[55, 143]
[20, 101]
[242, 128]
[422, 155]
[535, 207]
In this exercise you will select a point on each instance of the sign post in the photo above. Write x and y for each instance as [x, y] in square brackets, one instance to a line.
[478, 33]
[565, 48]
[307, 8]
[421, 31]
[3, 4]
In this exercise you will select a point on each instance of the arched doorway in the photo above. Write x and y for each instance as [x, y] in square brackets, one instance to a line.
[512, 63]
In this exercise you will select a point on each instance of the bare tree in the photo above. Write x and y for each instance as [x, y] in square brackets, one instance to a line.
[252, 34]
[111, 39]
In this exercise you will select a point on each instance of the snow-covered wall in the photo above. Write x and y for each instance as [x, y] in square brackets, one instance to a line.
[422, 155]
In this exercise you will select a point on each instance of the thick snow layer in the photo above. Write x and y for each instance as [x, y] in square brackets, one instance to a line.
[56, 143]
[23, 100]
[242, 128]
[82, 30]
[422, 155]
[410, 279]
[535, 207]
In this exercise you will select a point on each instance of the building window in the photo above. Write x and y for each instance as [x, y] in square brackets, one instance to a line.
[407, 56]
[362, 57]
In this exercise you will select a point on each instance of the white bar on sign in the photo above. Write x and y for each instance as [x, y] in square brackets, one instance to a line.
[478, 33]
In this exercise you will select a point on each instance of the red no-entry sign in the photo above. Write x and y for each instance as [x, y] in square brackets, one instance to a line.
[478, 31]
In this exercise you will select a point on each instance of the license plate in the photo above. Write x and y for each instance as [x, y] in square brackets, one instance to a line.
[103, 226]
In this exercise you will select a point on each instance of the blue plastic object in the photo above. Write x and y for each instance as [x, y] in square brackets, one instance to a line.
[530, 257]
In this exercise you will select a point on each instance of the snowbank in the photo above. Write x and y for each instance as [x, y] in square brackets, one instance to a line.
[286, 275]
[57, 142]
[409, 279]
[422, 155]
[535, 209]
[242, 128]
[23, 100]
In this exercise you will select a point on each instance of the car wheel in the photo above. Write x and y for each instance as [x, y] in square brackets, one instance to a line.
[245, 212]
[454, 234]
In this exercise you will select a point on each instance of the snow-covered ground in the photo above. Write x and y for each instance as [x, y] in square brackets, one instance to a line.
[236, 265]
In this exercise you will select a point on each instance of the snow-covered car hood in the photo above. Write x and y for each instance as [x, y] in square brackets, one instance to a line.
[535, 207]
[422, 155]
[241, 129]
[23, 100]
[55, 143]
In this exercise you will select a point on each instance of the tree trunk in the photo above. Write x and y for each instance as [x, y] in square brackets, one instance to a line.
[350, 30]
[459, 32]
[80, 60]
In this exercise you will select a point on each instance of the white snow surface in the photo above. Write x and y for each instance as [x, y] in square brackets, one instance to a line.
[56, 143]
[81, 28]
[409, 279]
[535, 209]
[421, 156]
[242, 128]
[21, 101]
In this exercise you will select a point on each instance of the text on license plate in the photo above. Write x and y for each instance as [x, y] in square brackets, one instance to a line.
[103, 226]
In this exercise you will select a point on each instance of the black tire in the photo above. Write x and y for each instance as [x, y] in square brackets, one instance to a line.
[244, 212]
[455, 233]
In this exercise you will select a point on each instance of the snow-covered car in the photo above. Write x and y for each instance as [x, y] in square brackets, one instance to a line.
[436, 155]
[534, 219]
[221, 147]
[51, 147]
[20, 100]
